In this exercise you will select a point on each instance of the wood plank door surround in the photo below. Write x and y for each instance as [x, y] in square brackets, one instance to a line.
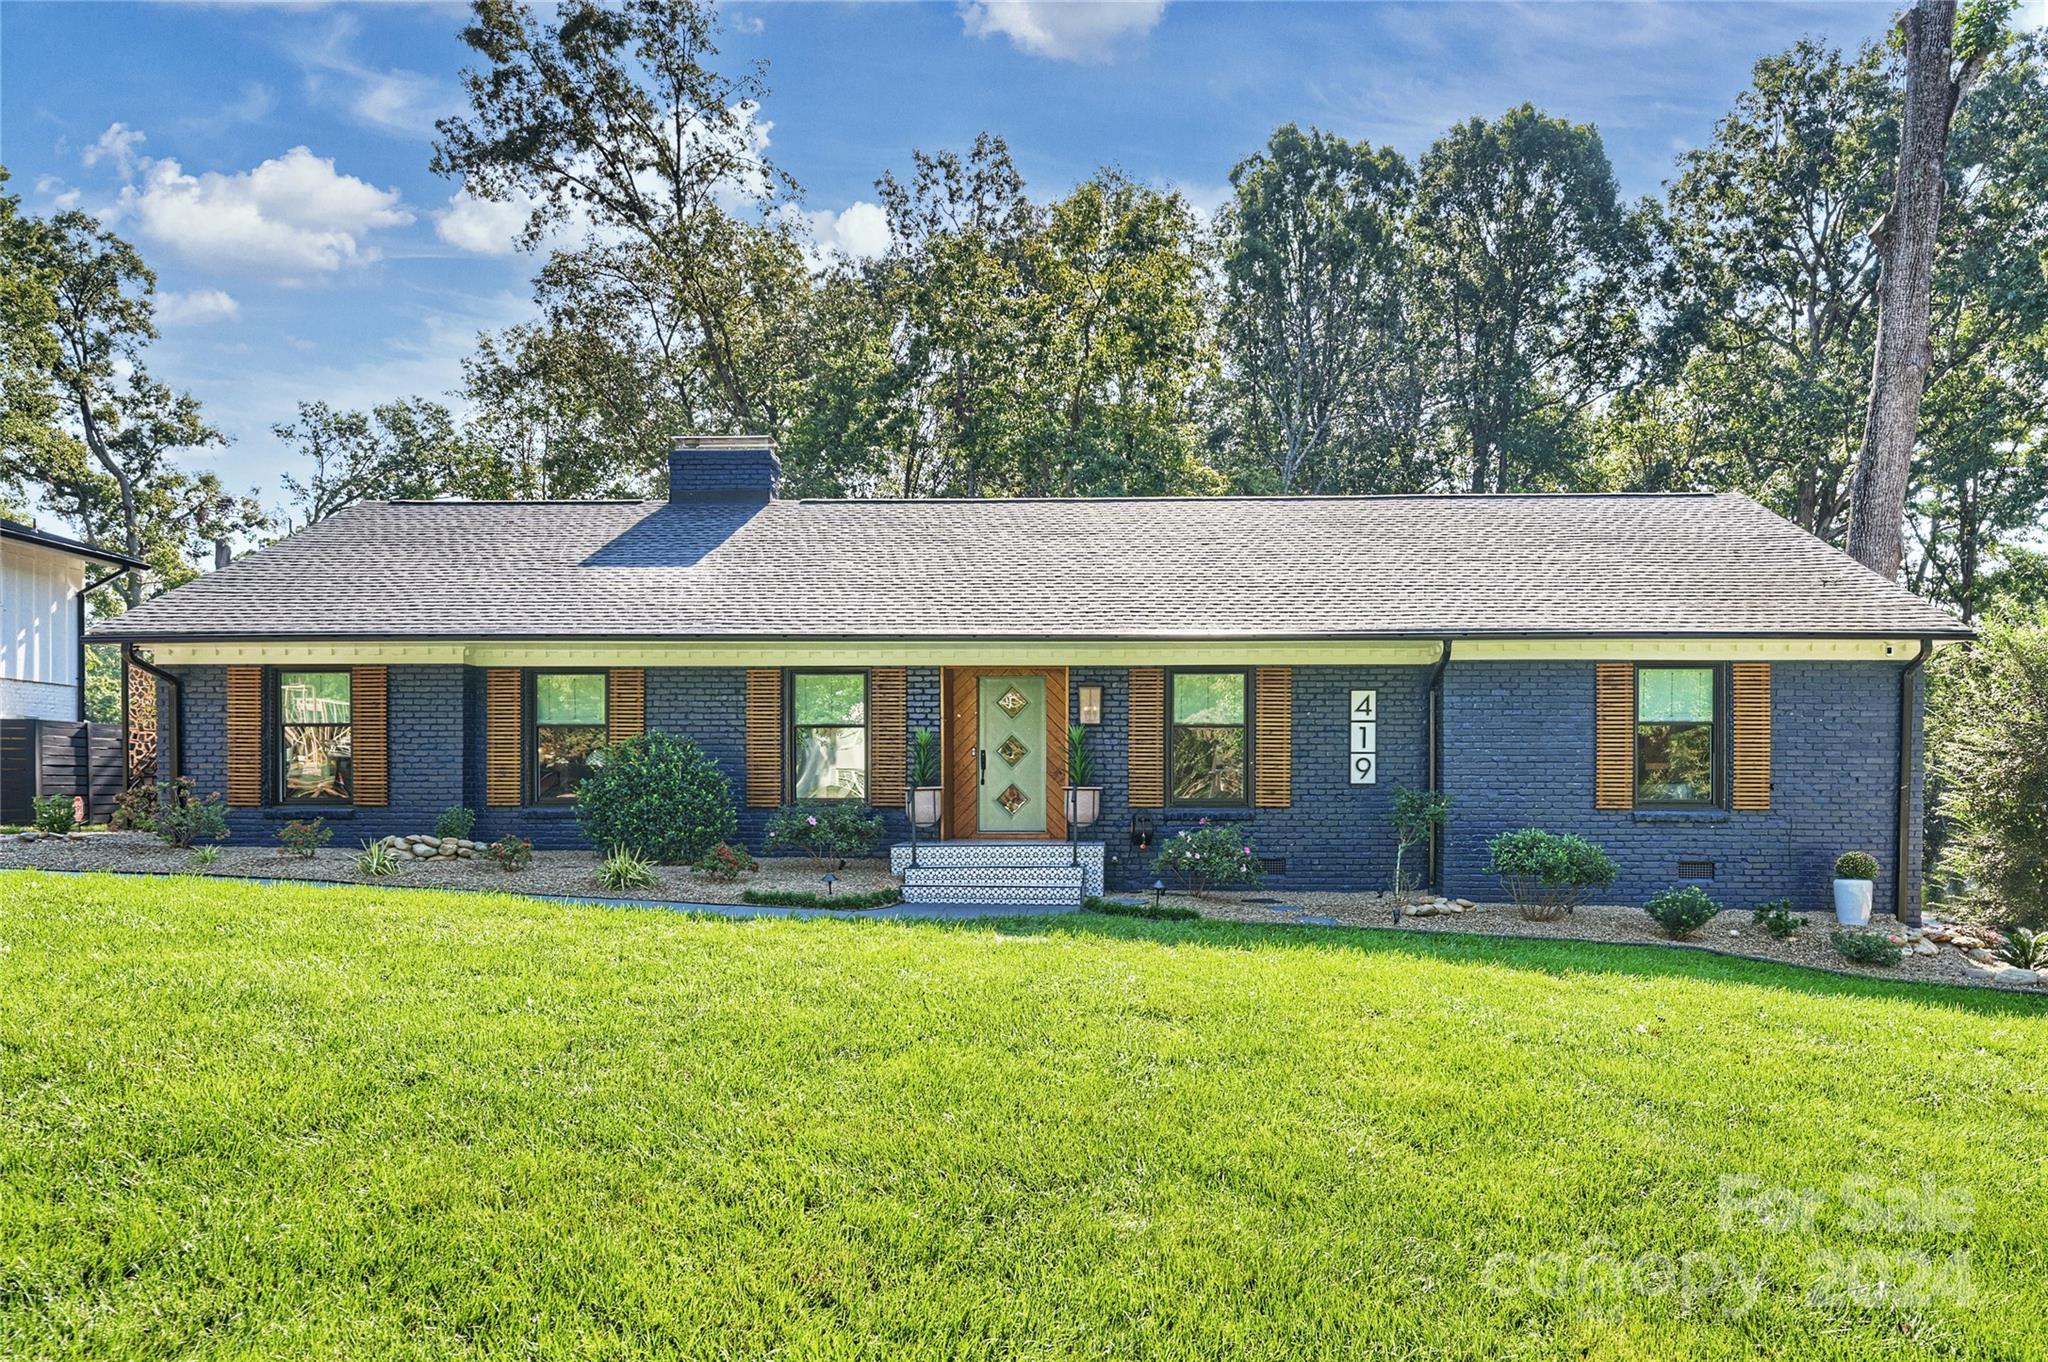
[960, 739]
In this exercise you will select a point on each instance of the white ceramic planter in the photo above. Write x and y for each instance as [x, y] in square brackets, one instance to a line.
[1852, 902]
[924, 805]
[1084, 804]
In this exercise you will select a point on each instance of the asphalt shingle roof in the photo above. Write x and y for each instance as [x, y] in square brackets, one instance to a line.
[1292, 567]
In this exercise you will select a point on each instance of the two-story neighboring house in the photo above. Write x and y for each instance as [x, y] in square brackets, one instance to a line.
[45, 743]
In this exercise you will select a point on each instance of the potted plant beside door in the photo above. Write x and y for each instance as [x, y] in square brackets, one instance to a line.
[924, 778]
[1084, 797]
[1855, 885]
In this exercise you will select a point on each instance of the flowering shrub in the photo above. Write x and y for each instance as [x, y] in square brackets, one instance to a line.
[725, 862]
[1210, 856]
[301, 837]
[827, 831]
[511, 853]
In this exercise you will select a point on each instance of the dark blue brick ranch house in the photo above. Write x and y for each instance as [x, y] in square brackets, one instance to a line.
[1702, 688]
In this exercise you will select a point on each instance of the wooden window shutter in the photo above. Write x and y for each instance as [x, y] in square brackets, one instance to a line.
[625, 703]
[1146, 770]
[369, 734]
[1750, 694]
[504, 738]
[1614, 778]
[1273, 737]
[888, 736]
[764, 738]
[245, 737]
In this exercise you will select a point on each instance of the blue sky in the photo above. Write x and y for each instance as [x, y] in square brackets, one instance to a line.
[271, 160]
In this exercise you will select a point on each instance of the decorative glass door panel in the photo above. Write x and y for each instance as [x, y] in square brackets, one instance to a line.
[1012, 757]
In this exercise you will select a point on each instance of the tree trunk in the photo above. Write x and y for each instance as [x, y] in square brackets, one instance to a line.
[1906, 236]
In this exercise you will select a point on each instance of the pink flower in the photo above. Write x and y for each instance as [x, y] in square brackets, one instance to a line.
[812, 819]
[1247, 851]
[1204, 821]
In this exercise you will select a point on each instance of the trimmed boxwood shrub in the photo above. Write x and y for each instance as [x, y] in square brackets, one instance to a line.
[1548, 874]
[1855, 865]
[1682, 911]
[657, 796]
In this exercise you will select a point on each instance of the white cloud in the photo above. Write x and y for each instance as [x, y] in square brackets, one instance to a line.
[392, 100]
[195, 307]
[1065, 30]
[61, 195]
[483, 226]
[294, 214]
[2031, 14]
[117, 144]
[858, 232]
[255, 104]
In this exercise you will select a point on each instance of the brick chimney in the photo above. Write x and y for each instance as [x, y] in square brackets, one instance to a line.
[741, 468]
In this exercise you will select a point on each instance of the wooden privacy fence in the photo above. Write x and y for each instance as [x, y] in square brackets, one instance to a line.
[59, 757]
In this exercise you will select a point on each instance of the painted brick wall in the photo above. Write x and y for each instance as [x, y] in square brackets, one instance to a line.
[1518, 751]
[1335, 834]
[427, 756]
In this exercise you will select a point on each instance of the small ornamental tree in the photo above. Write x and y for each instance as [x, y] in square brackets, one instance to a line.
[1417, 815]
[1987, 743]
[658, 797]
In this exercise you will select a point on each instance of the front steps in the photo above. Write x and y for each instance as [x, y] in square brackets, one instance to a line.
[1036, 873]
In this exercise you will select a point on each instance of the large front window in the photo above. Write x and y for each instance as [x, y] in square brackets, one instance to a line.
[829, 734]
[568, 725]
[1675, 709]
[314, 759]
[1207, 744]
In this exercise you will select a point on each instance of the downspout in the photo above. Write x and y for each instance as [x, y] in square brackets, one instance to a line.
[177, 724]
[92, 584]
[1904, 908]
[1434, 693]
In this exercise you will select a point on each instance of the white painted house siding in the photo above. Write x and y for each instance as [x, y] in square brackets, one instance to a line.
[38, 631]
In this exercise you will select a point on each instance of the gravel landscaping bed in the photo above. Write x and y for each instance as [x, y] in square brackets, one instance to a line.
[570, 873]
[552, 872]
[1731, 933]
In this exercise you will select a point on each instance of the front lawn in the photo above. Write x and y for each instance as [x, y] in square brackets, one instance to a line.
[252, 1121]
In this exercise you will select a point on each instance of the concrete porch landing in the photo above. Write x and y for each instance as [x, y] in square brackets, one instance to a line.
[1050, 873]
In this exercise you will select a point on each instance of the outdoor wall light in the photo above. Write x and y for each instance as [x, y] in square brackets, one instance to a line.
[1143, 829]
[1091, 704]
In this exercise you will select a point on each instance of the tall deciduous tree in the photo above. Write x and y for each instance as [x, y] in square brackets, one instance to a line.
[1315, 327]
[86, 425]
[614, 126]
[1529, 265]
[1770, 299]
[1939, 72]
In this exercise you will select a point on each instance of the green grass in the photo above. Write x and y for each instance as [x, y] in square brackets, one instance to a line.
[253, 1122]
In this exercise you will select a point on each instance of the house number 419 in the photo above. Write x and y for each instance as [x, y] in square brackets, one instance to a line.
[1365, 706]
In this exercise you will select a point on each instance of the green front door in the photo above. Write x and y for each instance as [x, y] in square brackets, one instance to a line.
[1012, 723]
